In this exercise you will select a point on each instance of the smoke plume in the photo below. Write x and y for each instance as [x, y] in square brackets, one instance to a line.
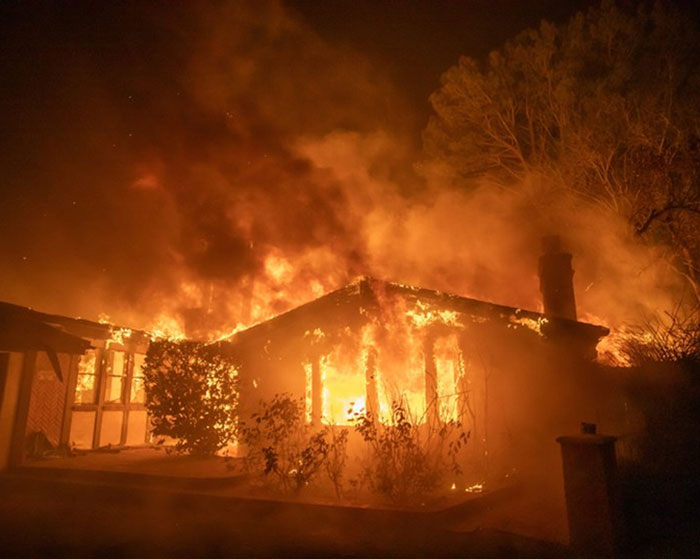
[223, 157]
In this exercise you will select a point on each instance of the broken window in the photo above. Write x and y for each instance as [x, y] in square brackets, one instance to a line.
[137, 428]
[138, 391]
[85, 387]
[344, 387]
[111, 429]
[82, 429]
[448, 372]
[115, 377]
[108, 408]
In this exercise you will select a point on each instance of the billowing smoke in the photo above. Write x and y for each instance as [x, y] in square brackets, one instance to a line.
[160, 158]
[163, 162]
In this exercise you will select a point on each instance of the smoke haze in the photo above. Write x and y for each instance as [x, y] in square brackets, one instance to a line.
[159, 158]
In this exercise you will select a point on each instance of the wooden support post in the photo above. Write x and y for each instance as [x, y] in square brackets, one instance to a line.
[432, 405]
[24, 397]
[466, 412]
[102, 365]
[474, 396]
[70, 380]
[126, 395]
[372, 402]
[316, 390]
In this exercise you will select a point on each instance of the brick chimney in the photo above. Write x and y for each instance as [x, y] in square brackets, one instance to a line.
[556, 279]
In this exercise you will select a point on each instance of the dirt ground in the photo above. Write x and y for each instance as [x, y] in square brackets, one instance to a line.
[148, 503]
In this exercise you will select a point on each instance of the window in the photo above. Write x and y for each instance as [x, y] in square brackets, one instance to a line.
[85, 388]
[109, 399]
[137, 428]
[138, 391]
[111, 428]
[115, 377]
[82, 428]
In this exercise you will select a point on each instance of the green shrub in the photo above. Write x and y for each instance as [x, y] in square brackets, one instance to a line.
[191, 395]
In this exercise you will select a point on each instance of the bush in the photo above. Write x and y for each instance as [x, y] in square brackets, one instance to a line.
[408, 461]
[191, 395]
[671, 338]
[281, 444]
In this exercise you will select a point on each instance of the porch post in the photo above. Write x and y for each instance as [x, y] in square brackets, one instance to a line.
[432, 405]
[316, 390]
[372, 403]
[24, 397]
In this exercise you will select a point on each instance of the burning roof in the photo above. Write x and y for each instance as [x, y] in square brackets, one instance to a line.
[352, 304]
[373, 343]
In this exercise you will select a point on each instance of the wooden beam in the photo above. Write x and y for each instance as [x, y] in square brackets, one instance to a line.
[432, 407]
[372, 402]
[71, 380]
[126, 395]
[316, 390]
[101, 370]
[25, 394]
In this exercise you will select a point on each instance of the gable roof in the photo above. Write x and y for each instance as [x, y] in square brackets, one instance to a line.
[349, 305]
[23, 329]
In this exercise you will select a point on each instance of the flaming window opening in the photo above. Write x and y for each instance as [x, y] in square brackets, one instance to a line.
[371, 344]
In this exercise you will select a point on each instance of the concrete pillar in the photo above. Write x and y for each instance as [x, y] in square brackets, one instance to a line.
[590, 486]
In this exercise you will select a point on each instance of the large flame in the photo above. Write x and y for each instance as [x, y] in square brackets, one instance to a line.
[394, 359]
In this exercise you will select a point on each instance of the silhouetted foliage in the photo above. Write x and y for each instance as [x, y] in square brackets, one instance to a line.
[604, 108]
[408, 461]
[191, 395]
[337, 457]
[279, 442]
[671, 338]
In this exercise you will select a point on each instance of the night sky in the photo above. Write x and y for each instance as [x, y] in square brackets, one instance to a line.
[415, 41]
[148, 146]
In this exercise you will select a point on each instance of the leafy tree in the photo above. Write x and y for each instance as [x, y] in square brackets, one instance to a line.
[191, 395]
[605, 107]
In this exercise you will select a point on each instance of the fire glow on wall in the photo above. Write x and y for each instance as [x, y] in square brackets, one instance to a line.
[374, 344]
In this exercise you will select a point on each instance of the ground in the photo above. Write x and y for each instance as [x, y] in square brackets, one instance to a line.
[146, 502]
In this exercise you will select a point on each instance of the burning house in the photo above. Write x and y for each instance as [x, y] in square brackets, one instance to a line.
[374, 344]
[68, 382]
[363, 348]
[372, 340]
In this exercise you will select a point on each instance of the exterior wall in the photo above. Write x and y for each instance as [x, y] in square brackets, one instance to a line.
[48, 399]
[8, 406]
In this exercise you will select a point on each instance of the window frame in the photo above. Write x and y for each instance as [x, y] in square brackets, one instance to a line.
[104, 352]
